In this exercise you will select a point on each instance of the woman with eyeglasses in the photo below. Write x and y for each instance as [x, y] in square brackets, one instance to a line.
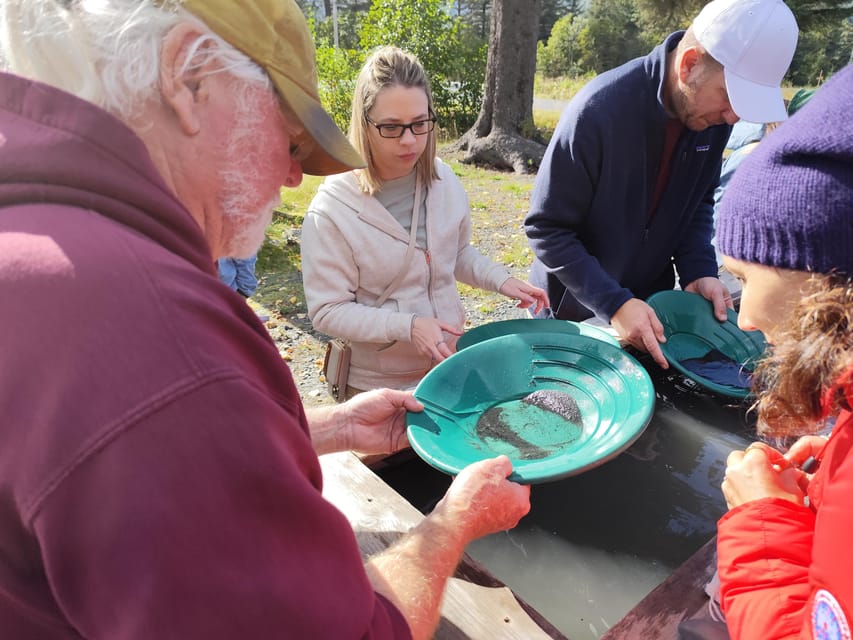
[397, 305]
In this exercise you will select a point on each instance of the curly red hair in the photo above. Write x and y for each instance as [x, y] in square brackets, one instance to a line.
[808, 374]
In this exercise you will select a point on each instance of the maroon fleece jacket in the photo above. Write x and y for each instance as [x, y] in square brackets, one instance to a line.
[157, 479]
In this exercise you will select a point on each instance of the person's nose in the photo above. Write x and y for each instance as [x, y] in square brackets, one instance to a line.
[744, 319]
[408, 137]
[730, 116]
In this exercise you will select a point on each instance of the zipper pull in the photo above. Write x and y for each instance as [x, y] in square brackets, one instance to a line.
[809, 465]
[428, 257]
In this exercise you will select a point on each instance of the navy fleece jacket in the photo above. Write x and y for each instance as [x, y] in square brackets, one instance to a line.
[595, 244]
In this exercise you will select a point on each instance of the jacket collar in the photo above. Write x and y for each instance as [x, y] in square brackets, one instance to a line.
[68, 151]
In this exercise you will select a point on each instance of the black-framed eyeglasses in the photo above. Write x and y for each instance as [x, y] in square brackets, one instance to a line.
[418, 128]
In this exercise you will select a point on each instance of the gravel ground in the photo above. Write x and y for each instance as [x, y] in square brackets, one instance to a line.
[303, 348]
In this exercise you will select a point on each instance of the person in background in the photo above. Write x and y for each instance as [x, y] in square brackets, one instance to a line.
[239, 274]
[624, 196]
[744, 138]
[799, 99]
[158, 473]
[358, 228]
[786, 232]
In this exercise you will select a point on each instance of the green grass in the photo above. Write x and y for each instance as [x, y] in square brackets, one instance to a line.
[562, 88]
[499, 202]
[546, 122]
[279, 261]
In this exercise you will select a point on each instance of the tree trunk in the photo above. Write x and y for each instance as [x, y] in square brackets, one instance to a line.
[500, 137]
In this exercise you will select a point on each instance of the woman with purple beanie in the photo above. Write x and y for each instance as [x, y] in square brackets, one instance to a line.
[785, 230]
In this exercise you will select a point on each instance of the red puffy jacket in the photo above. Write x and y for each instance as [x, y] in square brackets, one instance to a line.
[786, 571]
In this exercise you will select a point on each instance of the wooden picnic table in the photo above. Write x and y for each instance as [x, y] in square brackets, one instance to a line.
[476, 605]
[680, 597]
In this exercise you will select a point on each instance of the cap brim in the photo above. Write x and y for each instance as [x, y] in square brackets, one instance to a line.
[332, 153]
[755, 102]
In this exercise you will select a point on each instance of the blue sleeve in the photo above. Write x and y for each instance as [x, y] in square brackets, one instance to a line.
[561, 203]
[695, 257]
[728, 169]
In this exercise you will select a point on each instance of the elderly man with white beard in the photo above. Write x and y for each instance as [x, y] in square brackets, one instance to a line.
[158, 474]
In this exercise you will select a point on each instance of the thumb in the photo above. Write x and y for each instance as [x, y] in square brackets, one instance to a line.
[657, 326]
[720, 306]
[449, 328]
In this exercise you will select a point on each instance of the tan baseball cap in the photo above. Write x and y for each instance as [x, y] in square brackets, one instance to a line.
[274, 34]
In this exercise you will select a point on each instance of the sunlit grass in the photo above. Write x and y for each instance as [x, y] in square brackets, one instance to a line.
[496, 197]
[562, 88]
[279, 260]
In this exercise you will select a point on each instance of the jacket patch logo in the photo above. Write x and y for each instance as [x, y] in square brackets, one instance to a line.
[828, 619]
[703, 147]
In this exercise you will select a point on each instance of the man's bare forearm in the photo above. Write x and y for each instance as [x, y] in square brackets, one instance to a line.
[414, 572]
[324, 424]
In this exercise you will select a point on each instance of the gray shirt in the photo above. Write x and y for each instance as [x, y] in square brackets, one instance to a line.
[398, 197]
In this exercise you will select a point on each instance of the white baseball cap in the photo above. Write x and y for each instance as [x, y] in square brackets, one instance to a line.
[754, 40]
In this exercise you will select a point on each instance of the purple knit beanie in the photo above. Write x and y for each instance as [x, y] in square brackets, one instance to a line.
[790, 204]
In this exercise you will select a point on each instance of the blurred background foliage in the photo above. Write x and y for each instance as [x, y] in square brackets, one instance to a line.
[577, 39]
[450, 48]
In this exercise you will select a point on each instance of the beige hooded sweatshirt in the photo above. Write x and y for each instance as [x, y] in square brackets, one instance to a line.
[353, 248]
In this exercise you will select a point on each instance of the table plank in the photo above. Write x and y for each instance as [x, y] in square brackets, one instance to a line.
[680, 597]
[475, 604]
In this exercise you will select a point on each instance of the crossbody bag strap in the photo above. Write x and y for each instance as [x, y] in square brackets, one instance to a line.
[416, 212]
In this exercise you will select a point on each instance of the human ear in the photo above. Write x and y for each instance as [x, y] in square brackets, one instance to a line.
[182, 89]
[688, 64]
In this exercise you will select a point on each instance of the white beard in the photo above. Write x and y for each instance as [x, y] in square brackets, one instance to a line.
[245, 226]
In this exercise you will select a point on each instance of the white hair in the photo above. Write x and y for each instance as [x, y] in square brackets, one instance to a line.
[106, 51]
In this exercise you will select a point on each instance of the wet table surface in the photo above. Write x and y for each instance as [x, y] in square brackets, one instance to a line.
[475, 604]
[595, 544]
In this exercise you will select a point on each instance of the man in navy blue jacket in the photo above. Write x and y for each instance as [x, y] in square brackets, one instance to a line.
[624, 195]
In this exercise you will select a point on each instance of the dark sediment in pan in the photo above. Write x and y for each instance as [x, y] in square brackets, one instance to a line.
[492, 425]
[558, 402]
[508, 425]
